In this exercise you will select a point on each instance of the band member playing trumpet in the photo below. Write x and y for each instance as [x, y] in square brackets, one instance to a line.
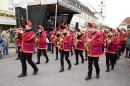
[41, 44]
[79, 47]
[18, 37]
[27, 49]
[56, 40]
[66, 46]
[111, 45]
[95, 51]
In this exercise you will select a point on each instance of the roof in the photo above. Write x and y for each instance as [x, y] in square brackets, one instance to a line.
[126, 20]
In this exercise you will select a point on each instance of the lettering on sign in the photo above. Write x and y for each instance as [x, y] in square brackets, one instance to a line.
[7, 15]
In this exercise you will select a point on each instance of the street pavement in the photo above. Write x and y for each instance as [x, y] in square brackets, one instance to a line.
[49, 75]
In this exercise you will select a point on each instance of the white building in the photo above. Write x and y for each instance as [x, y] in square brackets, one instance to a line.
[125, 24]
[101, 14]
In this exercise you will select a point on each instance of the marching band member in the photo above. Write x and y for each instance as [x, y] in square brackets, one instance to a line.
[95, 51]
[56, 40]
[79, 46]
[111, 46]
[52, 38]
[18, 37]
[66, 46]
[27, 49]
[41, 44]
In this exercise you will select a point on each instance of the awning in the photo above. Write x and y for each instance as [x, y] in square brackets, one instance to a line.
[62, 8]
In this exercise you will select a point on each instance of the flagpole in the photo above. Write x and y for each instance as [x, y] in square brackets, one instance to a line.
[27, 13]
[56, 16]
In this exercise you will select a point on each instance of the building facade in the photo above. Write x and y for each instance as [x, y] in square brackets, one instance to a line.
[125, 24]
[85, 17]
[7, 15]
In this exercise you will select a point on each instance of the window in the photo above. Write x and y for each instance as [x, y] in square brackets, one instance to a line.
[102, 2]
[76, 4]
[101, 12]
[10, 5]
[82, 8]
[79, 6]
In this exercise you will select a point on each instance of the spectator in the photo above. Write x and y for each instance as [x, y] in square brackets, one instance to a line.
[5, 35]
[1, 47]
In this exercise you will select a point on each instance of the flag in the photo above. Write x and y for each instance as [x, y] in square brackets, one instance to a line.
[23, 3]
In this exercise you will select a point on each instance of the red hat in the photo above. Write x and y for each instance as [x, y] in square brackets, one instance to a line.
[89, 25]
[29, 23]
[20, 27]
[94, 25]
[40, 27]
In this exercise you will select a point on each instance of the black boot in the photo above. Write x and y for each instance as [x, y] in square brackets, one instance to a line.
[47, 61]
[82, 61]
[88, 78]
[69, 67]
[86, 59]
[97, 76]
[38, 62]
[35, 72]
[22, 75]
[107, 70]
[62, 69]
[17, 58]
[76, 63]
[112, 68]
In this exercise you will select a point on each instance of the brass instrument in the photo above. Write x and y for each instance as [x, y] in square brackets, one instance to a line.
[75, 41]
[60, 43]
[86, 45]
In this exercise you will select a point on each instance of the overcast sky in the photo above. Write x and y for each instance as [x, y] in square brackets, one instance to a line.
[116, 10]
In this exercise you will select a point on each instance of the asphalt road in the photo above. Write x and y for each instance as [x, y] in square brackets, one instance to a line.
[49, 75]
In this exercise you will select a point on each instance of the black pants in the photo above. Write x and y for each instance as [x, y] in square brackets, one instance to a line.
[66, 54]
[79, 52]
[86, 54]
[90, 64]
[118, 54]
[56, 52]
[28, 57]
[127, 50]
[52, 48]
[49, 47]
[123, 48]
[43, 51]
[110, 57]
[19, 51]
[102, 48]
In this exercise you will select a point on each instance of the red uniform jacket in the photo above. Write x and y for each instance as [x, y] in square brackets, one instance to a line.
[28, 42]
[80, 44]
[41, 43]
[67, 43]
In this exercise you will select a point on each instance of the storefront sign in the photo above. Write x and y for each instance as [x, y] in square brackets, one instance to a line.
[7, 15]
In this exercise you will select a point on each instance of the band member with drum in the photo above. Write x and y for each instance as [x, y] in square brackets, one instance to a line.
[95, 51]
[41, 44]
[27, 49]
